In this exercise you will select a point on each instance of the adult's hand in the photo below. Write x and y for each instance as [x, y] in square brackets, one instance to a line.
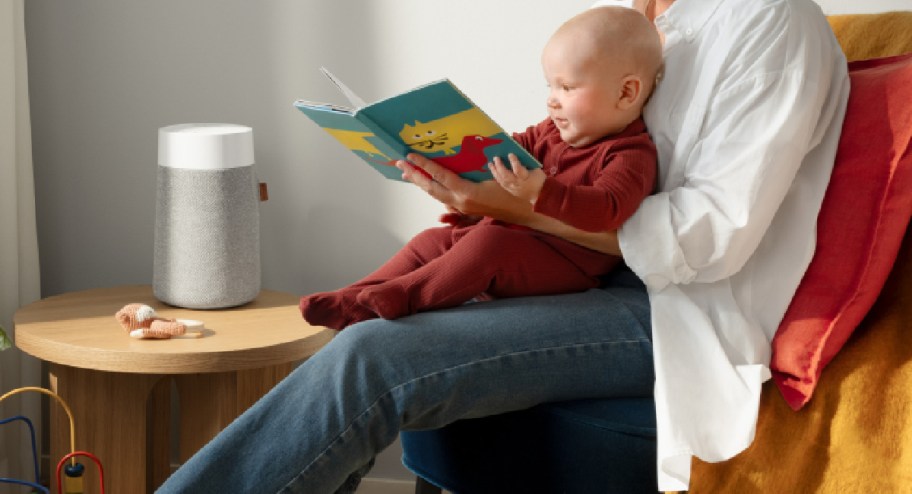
[487, 198]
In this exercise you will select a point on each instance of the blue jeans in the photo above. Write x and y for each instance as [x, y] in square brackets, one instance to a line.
[336, 411]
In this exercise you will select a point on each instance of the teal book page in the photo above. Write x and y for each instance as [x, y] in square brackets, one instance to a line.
[358, 137]
[440, 122]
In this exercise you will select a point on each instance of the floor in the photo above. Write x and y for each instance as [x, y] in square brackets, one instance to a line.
[382, 486]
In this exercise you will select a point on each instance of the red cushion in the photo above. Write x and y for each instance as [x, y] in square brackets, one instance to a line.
[862, 221]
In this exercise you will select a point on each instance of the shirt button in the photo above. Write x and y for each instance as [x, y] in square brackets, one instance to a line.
[553, 171]
[689, 32]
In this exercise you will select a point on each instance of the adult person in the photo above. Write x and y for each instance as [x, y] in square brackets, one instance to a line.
[746, 122]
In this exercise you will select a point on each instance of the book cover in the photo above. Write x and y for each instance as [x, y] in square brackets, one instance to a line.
[436, 120]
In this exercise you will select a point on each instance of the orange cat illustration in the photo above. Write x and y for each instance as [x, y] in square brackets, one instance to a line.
[447, 133]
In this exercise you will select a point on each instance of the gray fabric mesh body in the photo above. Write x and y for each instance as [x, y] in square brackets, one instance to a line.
[207, 237]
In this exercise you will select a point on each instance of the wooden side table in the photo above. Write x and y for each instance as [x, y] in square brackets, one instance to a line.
[119, 388]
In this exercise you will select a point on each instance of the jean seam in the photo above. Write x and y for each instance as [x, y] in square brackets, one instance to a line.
[387, 394]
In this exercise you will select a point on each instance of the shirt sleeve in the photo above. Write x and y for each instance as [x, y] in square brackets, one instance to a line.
[627, 176]
[726, 181]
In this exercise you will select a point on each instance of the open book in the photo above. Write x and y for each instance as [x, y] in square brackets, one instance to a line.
[436, 120]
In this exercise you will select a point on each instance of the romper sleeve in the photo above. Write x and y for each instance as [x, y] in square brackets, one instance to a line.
[627, 175]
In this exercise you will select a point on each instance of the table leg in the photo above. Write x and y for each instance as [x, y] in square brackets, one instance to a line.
[159, 435]
[111, 412]
[209, 402]
[125, 419]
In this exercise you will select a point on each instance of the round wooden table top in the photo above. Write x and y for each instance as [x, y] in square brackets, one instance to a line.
[78, 329]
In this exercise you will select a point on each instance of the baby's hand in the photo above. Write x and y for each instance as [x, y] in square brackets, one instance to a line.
[521, 182]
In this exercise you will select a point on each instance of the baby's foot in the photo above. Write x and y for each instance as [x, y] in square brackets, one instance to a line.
[332, 310]
[386, 301]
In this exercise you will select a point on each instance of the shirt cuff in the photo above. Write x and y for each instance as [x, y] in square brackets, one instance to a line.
[650, 247]
[550, 198]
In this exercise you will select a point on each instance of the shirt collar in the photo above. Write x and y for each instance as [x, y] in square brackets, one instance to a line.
[686, 18]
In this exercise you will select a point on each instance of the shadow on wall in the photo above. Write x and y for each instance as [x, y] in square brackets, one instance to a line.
[104, 76]
[327, 222]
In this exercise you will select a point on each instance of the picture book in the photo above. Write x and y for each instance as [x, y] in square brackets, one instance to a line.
[436, 120]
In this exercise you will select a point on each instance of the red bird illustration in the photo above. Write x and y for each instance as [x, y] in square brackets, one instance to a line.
[471, 155]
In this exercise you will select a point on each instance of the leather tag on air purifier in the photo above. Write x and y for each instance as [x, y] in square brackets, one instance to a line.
[264, 192]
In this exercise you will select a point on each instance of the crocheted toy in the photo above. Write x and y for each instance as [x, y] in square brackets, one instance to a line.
[142, 322]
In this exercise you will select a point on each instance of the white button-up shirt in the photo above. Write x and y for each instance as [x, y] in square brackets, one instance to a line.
[746, 121]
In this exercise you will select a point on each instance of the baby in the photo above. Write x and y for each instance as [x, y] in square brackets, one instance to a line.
[598, 165]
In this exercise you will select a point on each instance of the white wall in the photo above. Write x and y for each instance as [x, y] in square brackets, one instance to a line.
[105, 75]
[831, 7]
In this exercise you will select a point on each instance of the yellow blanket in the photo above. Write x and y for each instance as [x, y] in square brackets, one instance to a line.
[855, 435]
[865, 36]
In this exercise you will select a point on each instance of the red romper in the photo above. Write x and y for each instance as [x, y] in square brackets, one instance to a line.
[593, 188]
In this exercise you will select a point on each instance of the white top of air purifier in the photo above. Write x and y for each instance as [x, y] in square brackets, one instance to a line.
[205, 146]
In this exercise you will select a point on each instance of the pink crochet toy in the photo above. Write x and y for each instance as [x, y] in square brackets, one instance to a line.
[142, 322]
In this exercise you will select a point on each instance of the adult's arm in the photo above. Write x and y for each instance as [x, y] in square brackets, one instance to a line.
[738, 149]
[490, 199]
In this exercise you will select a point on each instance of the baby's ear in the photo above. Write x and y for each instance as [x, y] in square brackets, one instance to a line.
[631, 91]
